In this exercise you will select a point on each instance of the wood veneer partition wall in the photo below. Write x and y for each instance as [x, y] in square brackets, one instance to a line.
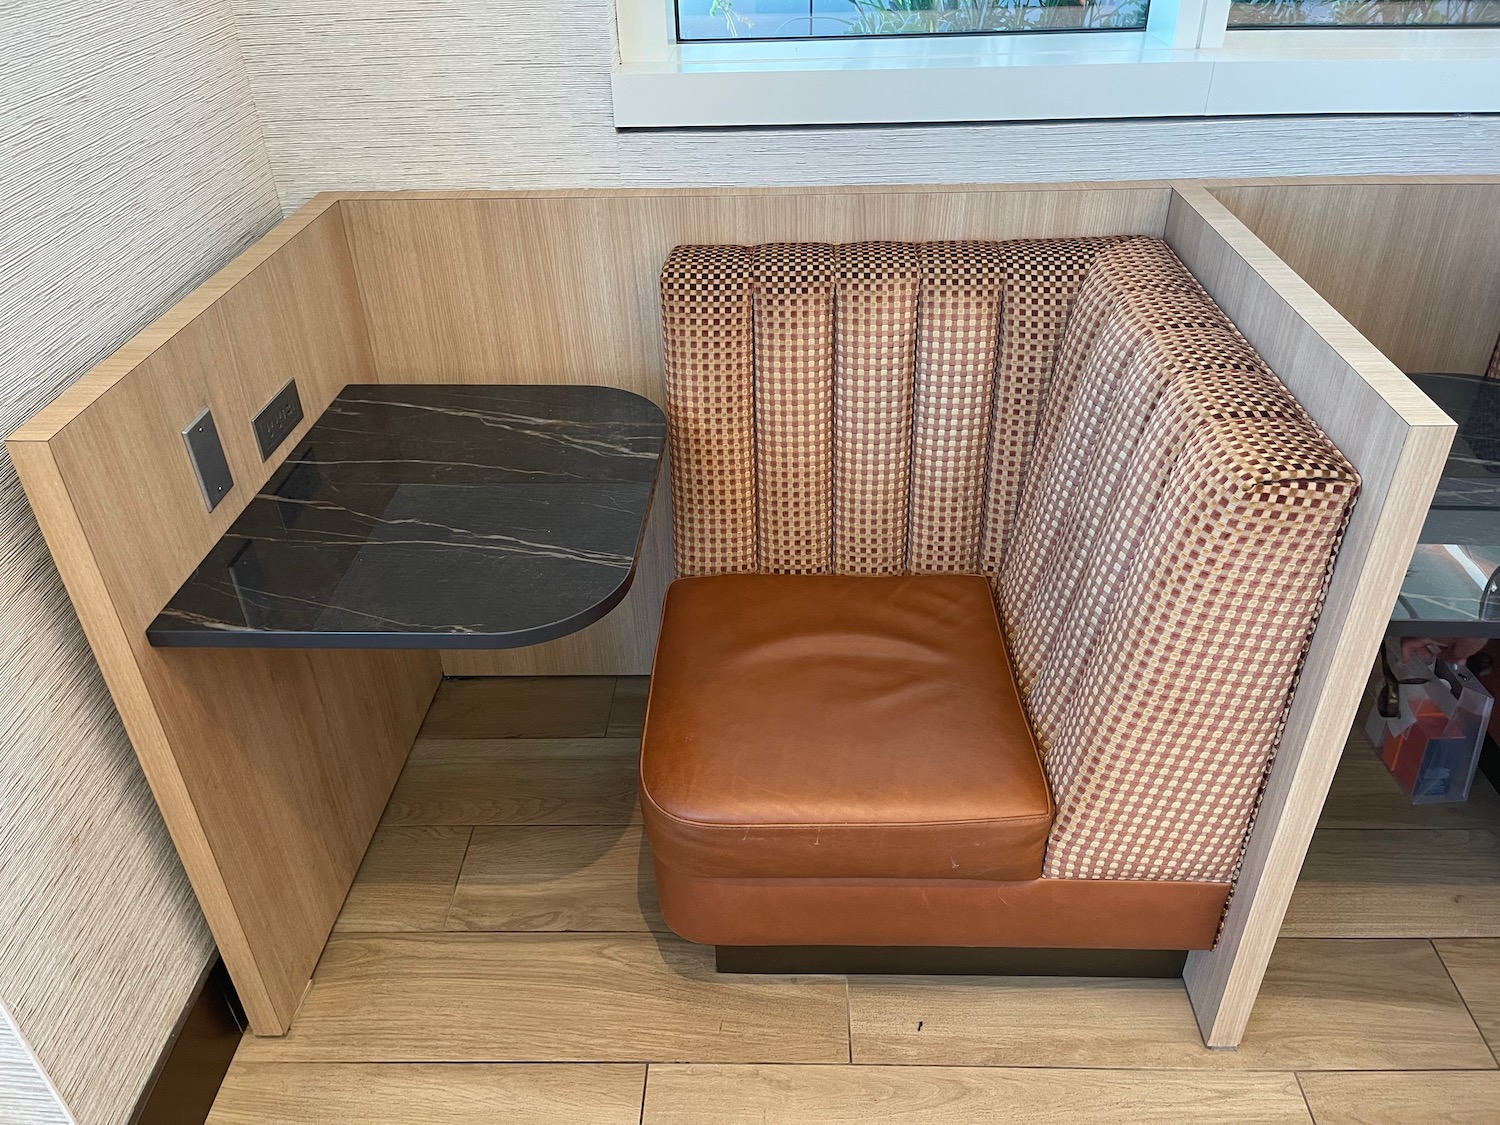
[1398, 440]
[1413, 264]
[562, 287]
[270, 768]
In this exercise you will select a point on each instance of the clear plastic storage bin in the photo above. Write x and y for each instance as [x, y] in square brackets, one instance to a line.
[1432, 747]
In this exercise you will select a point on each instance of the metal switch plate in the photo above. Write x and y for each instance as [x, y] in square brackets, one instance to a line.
[206, 453]
[278, 418]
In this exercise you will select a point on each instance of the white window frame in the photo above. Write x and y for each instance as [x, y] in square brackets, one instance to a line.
[1184, 64]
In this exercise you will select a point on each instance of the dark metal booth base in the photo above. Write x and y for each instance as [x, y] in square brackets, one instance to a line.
[905, 960]
[195, 1060]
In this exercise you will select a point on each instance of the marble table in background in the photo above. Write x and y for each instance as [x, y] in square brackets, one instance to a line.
[434, 516]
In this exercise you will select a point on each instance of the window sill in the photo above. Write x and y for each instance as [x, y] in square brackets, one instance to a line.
[1059, 77]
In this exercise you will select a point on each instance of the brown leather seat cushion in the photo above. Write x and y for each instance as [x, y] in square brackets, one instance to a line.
[839, 727]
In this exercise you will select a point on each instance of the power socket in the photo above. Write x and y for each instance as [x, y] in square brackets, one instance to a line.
[278, 418]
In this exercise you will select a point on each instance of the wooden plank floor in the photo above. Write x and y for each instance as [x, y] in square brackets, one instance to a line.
[502, 958]
[1380, 866]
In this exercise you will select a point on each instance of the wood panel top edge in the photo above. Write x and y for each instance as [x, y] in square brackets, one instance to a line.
[94, 383]
[729, 191]
[417, 194]
[1377, 371]
[1216, 184]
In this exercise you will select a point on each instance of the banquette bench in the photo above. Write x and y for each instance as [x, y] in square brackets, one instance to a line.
[997, 564]
[897, 420]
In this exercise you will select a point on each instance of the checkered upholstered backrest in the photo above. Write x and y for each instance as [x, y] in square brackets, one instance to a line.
[858, 409]
[1074, 418]
[1171, 553]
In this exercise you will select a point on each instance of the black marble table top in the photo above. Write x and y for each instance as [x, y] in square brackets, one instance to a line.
[1452, 588]
[428, 516]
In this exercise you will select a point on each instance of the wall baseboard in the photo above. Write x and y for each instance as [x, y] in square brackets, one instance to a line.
[193, 1063]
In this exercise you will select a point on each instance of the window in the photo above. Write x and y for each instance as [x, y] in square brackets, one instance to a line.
[1364, 13]
[714, 63]
[713, 20]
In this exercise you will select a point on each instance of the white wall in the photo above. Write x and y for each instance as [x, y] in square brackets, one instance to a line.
[505, 93]
[131, 166]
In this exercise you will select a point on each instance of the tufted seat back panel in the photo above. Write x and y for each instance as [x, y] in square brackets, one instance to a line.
[866, 408]
[1171, 554]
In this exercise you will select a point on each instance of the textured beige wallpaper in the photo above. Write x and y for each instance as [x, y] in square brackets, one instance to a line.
[131, 166]
[500, 93]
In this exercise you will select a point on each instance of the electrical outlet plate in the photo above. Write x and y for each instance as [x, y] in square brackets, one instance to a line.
[206, 453]
[278, 418]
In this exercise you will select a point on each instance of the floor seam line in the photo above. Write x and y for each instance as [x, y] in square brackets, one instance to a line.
[1464, 1000]
[1302, 1090]
[609, 712]
[458, 880]
[849, 1017]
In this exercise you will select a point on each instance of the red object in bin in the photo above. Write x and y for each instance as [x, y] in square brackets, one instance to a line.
[1404, 757]
[1408, 761]
[1432, 746]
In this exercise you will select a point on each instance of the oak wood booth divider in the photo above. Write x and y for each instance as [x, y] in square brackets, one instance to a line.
[272, 767]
